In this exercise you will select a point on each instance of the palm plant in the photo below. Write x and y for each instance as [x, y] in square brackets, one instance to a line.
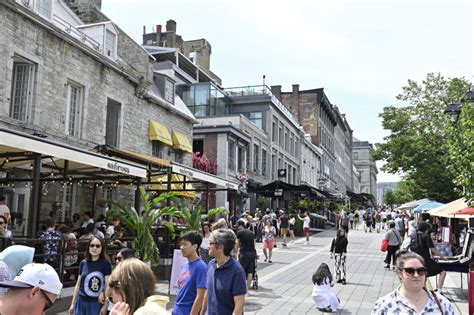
[195, 216]
[142, 226]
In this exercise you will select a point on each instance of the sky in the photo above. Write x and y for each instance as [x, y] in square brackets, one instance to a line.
[361, 52]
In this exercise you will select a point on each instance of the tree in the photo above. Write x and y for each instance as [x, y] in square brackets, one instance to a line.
[417, 145]
[389, 197]
[403, 192]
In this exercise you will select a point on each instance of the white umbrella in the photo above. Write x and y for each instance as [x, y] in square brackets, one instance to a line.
[448, 209]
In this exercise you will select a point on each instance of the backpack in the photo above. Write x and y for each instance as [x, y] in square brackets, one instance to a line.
[415, 244]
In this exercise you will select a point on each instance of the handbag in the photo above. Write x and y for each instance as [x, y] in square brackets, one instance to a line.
[384, 246]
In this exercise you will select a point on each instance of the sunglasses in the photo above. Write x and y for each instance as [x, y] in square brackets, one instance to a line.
[411, 271]
[49, 303]
[95, 245]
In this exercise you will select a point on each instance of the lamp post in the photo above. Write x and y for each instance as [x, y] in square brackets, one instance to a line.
[454, 111]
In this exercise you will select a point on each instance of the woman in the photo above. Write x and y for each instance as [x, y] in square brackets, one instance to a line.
[324, 299]
[292, 227]
[339, 251]
[411, 297]
[204, 249]
[425, 248]
[269, 233]
[132, 285]
[394, 240]
[94, 271]
[356, 220]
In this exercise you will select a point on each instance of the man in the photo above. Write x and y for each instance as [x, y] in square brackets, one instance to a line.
[6, 233]
[226, 287]
[400, 225]
[50, 247]
[87, 219]
[33, 290]
[344, 221]
[4, 210]
[284, 225]
[111, 229]
[192, 277]
[247, 252]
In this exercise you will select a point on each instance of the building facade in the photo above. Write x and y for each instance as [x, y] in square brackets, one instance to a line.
[72, 76]
[365, 166]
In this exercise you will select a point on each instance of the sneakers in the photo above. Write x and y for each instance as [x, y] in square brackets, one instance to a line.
[339, 281]
[343, 281]
[387, 266]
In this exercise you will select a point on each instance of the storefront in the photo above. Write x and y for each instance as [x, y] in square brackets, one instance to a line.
[29, 164]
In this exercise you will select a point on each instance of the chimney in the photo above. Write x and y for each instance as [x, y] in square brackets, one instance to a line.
[276, 90]
[158, 34]
[296, 89]
[171, 26]
[144, 29]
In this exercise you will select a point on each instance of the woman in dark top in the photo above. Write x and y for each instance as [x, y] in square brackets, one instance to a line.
[339, 251]
[94, 271]
[425, 248]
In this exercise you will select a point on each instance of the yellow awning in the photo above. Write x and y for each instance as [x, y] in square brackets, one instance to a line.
[180, 141]
[161, 183]
[157, 131]
[145, 158]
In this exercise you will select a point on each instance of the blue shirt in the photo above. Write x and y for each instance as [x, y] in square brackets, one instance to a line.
[223, 284]
[191, 277]
[93, 275]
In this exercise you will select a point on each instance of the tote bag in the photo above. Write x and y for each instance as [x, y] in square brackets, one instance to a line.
[384, 245]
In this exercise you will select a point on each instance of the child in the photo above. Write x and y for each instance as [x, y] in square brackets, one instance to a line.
[324, 299]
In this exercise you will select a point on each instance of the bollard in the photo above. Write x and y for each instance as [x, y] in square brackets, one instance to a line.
[470, 294]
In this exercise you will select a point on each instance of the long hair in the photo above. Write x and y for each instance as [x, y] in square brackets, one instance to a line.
[103, 252]
[133, 279]
[322, 273]
[340, 234]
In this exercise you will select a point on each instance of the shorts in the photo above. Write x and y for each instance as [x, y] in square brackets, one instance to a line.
[306, 230]
[283, 231]
[268, 243]
[248, 264]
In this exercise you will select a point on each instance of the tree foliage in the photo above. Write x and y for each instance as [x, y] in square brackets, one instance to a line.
[389, 197]
[418, 145]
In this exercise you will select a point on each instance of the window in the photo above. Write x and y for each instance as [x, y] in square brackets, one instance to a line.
[22, 89]
[264, 162]
[73, 109]
[231, 155]
[240, 159]
[43, 7]
[169, 91]
[274, 131]
[280, 135]
[112, 131]
[274, 165]
[286, 139]
[356, 155]
[110, 42]
[256, 119]
[292, 145]
[256, 158]
[157, 148]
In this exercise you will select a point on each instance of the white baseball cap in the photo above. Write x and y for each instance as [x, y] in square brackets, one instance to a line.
[42, 276]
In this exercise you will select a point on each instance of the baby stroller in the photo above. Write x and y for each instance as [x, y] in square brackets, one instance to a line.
[255, 275]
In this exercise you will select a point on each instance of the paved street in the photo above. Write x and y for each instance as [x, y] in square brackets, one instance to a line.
[285, 285]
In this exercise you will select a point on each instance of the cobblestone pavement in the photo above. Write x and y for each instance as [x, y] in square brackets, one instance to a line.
[285, 285]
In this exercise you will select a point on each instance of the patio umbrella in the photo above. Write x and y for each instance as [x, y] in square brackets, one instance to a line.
[412, 204]
[427, 206]
[465, 211]
[448, 209]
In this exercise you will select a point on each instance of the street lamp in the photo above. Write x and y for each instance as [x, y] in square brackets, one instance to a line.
[453, 111]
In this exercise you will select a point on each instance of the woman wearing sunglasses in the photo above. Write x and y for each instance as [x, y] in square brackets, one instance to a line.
[94, 272]
[411, 297]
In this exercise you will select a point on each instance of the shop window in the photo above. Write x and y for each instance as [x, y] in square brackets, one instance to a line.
[157, 148]
[22, 89]
[73, 108]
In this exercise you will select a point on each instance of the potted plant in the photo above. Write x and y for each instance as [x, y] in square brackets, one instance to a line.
[195, 216]
[142, 226]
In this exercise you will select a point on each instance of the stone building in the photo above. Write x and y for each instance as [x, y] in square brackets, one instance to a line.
[310, 163]
[73, 76]
[343, 154]
[315, 113]
[365, 166]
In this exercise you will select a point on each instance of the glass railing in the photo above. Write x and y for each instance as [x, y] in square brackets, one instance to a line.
[261, 90]
[74, 32]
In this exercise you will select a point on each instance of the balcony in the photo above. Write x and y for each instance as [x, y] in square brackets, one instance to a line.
[264, 90]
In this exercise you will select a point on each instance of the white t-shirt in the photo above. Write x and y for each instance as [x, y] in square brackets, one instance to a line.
[306, 221]
[84, 225]
[110, 230]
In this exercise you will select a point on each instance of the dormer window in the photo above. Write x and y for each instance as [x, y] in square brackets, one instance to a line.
[169, 91]
[104, 33]
[110, 44]
[42, 7]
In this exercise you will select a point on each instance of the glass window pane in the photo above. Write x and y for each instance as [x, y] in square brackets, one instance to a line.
[201, 94]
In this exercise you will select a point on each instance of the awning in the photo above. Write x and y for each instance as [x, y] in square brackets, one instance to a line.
[14, 143]
[200, 175]
[449, 209]
[180, 141]
[161, 183]
[159, 132]
[133, 156]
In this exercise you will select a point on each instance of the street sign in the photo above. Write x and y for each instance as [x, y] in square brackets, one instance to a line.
[243, 177]
[278, 192]
[281, 172]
